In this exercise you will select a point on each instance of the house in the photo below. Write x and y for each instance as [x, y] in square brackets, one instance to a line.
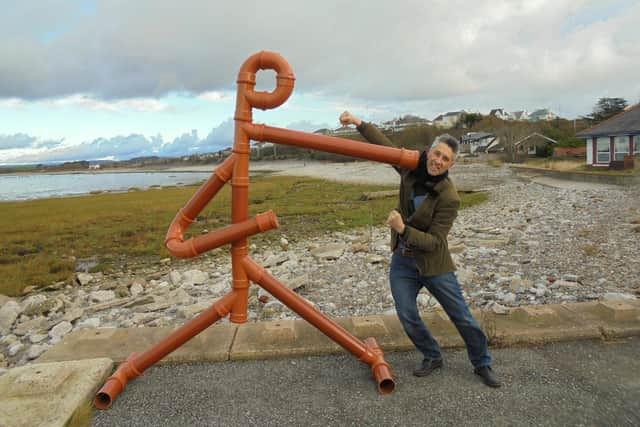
[500, 113]
[531, 144]
[520, 115]
[344, 130]
[401, 123]
[542, 114]
[94, 166]
[609, 142]
[475, 142]
[449, 120]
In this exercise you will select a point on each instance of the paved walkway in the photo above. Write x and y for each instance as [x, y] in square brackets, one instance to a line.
[564, 384]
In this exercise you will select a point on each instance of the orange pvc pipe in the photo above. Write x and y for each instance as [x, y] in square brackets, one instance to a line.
[397, 156]
[369, 351]
[137, 363]
[236, 169]
[197, 245]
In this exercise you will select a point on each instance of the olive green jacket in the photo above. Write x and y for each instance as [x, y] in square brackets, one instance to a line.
[426, 230]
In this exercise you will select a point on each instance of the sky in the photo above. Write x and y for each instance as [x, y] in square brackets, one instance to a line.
[115, 79]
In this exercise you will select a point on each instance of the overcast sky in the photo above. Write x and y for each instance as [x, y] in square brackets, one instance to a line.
[115, 79]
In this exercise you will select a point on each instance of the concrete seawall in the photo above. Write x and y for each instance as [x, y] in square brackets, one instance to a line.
[577, 176]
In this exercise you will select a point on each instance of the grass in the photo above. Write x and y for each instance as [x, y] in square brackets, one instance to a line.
[43, 239]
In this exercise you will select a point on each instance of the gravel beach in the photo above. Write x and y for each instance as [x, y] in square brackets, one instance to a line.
[535, 241]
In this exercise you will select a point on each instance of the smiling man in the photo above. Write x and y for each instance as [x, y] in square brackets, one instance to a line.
[427, 207]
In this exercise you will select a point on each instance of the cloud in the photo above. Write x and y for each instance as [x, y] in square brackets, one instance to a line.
[216, 96]
[307, 126]
[23, 148]
[11, 103]
[387, 51]
[22, 140]
[91, 103]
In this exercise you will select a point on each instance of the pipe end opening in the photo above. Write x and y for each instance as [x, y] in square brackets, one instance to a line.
[386, 386]
[102, 401]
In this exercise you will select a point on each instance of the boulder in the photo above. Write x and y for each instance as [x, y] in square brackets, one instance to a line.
[329, 252]
[194, 277]
[8, 315]
[84, 278]
[60, 330]
[102, 296]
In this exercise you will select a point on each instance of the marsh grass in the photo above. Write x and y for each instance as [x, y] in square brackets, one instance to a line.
[42, 239]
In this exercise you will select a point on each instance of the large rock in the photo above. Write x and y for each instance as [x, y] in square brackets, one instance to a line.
[84, 278]
[32, 326]
[36, 350]
[60, 330]
[73, 314]
[612, 296]
[136, 289]
[194, 277]
[102, 296]
[329, 252]
[8, 315]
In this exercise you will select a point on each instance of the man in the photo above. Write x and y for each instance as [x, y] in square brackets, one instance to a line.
[427, 207]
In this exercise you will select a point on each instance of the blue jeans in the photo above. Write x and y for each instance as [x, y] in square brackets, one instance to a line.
[406, 282]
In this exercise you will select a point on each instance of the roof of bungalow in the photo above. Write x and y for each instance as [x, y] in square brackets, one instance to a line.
[475, 136]
[624, 123]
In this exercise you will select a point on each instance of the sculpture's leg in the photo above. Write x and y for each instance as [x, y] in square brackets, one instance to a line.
[368, 351]
[137, 363]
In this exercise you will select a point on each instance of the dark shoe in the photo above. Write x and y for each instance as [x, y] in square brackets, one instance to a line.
[487, 375]
[428, 366]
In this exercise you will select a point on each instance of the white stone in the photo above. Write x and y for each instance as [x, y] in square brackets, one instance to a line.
[189, 311]
[8, 315]
[612, 296]
[194, 277]
[60, 330]
[570, 277]
[566, 284]
[36, 350]
[36, 338]
[509, 298]
[329, 252]
[284, 244]
[136, 289]
[499, 308]
[175, 277]
[84, 278]
[90, 323]
[15, 348]
[102, 296]
[73, 314]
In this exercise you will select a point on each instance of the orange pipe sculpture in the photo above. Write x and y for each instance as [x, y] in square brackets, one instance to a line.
[244, 269]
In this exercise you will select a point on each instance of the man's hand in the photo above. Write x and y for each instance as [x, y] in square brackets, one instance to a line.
[395, 221]
[347, 118]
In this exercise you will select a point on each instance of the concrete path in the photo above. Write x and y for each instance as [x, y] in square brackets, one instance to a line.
[565, 384]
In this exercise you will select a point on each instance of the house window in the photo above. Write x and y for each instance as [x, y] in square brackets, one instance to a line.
[636, 144]
[620, 147]
[604, 152]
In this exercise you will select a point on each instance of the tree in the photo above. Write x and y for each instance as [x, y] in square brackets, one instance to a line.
[469, 119]
[607, 107]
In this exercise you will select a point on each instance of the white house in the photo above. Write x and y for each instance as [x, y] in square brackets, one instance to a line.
[543, 114]
[520, 115]
[401, 123]
[500, 113]
[449, 120]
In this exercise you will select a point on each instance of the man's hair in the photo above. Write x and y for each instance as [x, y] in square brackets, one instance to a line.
[445, 138]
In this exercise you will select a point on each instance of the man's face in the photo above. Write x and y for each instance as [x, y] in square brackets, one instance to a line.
[439, 159]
